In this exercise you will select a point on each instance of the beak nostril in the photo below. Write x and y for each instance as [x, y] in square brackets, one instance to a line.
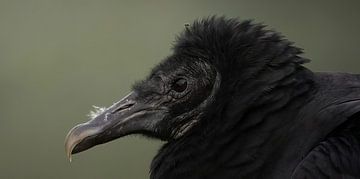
[122, 107]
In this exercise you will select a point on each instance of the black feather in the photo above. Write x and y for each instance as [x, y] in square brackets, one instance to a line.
[270, 117]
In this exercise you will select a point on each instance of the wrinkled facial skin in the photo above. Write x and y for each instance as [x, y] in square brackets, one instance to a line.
[180, 89]
[165, 106]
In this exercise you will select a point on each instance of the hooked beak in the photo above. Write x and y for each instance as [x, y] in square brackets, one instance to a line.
[125, 117]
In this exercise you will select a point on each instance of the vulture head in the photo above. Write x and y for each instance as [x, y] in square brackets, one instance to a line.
[166, 105]
[218, 87]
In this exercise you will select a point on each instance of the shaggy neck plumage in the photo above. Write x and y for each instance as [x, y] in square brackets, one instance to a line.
[260, 75]
[226, 139]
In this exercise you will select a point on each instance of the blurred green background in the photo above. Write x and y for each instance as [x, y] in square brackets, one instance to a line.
[58, 58]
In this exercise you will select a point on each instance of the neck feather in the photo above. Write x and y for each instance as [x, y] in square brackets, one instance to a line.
[239, 132]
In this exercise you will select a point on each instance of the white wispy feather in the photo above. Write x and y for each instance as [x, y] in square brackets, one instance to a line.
[96, 111]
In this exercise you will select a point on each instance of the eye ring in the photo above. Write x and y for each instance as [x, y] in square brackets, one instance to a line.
[179, 85]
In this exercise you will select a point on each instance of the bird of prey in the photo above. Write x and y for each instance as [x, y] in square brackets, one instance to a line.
[232, 101]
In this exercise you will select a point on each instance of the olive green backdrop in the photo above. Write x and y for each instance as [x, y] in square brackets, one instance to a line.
[58, 58]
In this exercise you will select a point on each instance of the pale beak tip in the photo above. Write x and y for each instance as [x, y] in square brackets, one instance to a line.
[69, 146]
[69, 156]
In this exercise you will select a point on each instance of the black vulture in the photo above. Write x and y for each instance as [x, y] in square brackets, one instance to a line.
[234, 100]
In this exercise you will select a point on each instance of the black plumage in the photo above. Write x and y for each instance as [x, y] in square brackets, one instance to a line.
[235, 101]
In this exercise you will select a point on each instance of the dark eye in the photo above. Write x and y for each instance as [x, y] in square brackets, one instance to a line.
[179, 85]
